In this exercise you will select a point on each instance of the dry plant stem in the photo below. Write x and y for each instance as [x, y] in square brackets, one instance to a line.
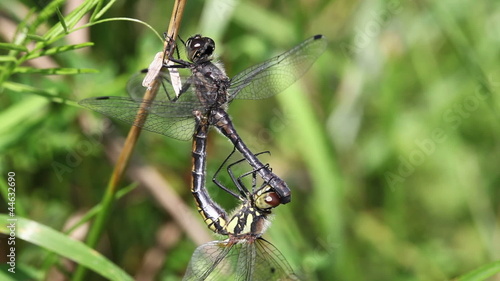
[150, 94]
[123, 159]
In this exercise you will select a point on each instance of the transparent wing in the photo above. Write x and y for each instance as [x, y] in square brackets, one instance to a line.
[209, 263]
[270, 264]
[164, 116]
[244, 261]
[276, 74]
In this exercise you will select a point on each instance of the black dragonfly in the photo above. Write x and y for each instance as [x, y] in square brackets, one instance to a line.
[207, 91]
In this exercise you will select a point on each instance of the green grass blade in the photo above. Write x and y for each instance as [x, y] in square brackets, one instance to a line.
[482, 273]
[15, 47]
[7, 59]
[61, 19]
[54, 241]
[25, 89]
[18, 112]
[22, 272]
[58, 50]
[122, 19]
[325, 173]
[35, 37]
[97, 208]
[57, 31]
[47, 12]
[101, 12]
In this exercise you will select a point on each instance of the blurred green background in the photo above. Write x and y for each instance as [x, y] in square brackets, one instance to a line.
[390, 142]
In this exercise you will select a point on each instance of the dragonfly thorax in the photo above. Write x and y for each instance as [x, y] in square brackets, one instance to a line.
[211, 83]
[248, 220]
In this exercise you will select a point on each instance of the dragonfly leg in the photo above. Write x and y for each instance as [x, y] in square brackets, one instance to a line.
[163, 82]
[243, 159]
[180, 63]
[238, 181]
[172, 45]
[220, 185]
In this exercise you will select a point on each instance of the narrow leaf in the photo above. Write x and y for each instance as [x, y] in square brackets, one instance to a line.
[54, 71]
[25, 89]
[57, 31]
[47, 12]
[58, 50]
[10, 46]
[96, 10]
[482, 273]
[52, 240]
[61, 20]
[14, 115]
[101, 12]
[35, 37]
[97, 208]
[7, 58]
[121, 19]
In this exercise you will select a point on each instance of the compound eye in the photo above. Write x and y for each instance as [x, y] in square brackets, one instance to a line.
[209, 47]
[267, 200]
[199, 49]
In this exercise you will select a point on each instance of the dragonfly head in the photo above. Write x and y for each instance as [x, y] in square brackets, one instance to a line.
[200, 49]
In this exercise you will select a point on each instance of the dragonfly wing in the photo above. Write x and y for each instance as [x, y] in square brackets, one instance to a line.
[169, 83]
[255, 260]
[211, 261]
[172, 119]
[276, 74]
[270, 264]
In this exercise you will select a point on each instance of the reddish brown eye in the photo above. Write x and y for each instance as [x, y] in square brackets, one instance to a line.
[267, 200]
[272, 199]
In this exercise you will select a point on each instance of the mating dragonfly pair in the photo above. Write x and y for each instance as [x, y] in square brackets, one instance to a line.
[202, 102]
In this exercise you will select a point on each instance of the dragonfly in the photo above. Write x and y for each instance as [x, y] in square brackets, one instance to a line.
[207, 90]
[244, 255]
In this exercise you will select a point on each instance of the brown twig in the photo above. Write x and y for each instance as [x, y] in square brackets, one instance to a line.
[150, 94]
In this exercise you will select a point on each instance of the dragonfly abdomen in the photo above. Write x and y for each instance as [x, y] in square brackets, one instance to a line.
[213, 215]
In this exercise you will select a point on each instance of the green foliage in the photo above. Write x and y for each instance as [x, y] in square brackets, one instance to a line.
[63, 245]
[390, 142]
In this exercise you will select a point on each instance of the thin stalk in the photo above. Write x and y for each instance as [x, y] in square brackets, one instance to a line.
[123, 160]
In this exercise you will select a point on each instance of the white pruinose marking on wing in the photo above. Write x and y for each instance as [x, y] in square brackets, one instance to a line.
[153, 70]
[175, 78]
